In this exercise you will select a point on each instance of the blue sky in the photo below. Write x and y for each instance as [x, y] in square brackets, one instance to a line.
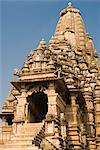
[25, 22]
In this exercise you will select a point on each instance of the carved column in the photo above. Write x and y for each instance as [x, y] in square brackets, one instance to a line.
[90, 119]
[3, 121]
[52, 122]
[74, 141]
[15, 114]
[97, 114]
[63, 130]
[83, 136]
[20, 108]
[26, 112]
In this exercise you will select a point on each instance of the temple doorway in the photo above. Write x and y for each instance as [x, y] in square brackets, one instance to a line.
[38, 107]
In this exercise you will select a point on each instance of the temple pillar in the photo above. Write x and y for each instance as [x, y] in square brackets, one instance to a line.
[19, 111]
[26, 112]
[64, 125]
[3, 121]
[90, 120]
[74, 139]
[83, 136]
[52, 121]
[97, 114]
[21, 107]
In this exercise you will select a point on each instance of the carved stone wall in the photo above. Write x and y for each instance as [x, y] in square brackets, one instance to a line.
[55, 103]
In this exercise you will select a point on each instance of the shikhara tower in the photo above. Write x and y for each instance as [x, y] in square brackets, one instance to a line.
[55, 103]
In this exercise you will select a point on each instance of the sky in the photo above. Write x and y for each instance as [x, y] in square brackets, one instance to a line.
[24, 23]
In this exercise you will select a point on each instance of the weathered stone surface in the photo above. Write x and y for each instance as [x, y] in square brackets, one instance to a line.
[55, 103]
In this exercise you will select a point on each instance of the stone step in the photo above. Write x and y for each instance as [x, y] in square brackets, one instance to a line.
[18, 138]
[26, 138]
[29, 129]
[33, 147]
[22, 142]
[23, 138]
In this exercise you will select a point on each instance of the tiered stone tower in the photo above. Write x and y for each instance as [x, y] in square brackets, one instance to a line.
[55, 103]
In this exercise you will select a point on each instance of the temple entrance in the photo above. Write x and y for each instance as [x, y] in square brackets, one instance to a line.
[9, 120]
[38, 107]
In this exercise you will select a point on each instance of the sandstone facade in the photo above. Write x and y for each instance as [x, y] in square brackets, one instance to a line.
[55, 103]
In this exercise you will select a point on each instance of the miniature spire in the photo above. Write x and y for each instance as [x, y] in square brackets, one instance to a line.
[51, 40]
[88, 36]
[42, 44]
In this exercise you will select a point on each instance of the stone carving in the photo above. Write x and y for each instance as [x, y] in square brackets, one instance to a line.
[55, 102]
[16, 72]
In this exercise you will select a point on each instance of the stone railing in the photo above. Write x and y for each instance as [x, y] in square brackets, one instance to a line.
[51, 144]
[5, 134]
[39, 137]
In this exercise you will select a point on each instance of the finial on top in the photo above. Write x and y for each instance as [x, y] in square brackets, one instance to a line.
[42, 43]
[69, 5]
[51, 40]
[68, 8]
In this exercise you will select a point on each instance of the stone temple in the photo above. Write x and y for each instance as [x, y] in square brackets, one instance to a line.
[55, 102]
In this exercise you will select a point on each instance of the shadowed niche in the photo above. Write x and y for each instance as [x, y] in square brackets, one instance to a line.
[38, 107]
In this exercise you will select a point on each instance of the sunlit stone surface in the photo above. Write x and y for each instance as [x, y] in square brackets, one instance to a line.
[55, 103]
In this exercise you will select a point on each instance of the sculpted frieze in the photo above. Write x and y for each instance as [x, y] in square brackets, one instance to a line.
[36, 89]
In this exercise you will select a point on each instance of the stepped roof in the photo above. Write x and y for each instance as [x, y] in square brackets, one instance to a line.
[70, 52]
